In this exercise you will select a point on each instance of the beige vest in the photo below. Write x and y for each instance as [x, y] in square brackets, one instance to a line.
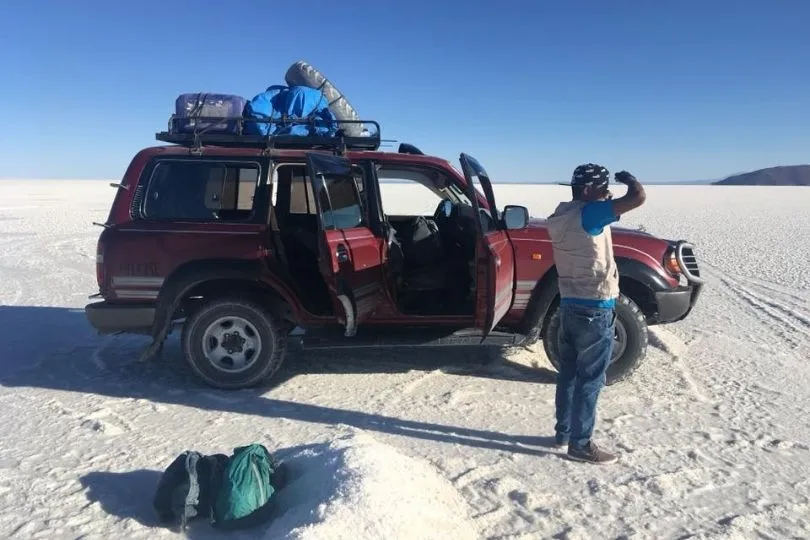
[585, 263]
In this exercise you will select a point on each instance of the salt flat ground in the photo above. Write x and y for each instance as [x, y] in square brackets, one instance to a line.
[714, 428]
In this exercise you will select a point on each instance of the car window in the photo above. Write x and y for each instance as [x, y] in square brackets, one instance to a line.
[201, 191]
[359, 180]
[302, 198]
[341, 201]
[458, 194]
[406, 191]
[423, 187]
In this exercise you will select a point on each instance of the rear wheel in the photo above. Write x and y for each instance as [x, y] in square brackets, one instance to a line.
[233, 343]
[629, 342]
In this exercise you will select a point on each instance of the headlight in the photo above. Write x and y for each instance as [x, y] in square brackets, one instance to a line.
[671, 264]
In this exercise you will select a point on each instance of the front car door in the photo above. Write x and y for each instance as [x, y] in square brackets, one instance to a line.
[495, 260]
[349, 252]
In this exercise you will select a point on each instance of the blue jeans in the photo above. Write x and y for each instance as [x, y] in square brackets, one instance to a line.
[586, 346]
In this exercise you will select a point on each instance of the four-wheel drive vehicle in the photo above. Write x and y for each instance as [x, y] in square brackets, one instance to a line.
[240, 239]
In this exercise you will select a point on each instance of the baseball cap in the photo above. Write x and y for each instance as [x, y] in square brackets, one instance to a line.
[589, 174]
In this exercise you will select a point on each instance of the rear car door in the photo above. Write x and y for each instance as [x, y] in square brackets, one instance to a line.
[350, 258]
[495, 260]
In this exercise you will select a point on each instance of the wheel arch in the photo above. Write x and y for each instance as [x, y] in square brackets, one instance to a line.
[543, 296]
[220, 276]
[259, 291]
[637, 281]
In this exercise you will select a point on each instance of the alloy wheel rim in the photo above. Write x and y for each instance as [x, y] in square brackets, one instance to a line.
[231, 344]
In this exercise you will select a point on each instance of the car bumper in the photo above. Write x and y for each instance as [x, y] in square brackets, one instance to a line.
[676, 304]
[109, 318]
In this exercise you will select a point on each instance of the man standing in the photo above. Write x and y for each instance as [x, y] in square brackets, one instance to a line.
[589, 285]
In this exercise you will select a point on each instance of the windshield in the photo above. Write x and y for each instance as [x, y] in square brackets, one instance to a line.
[456, 194]
[437, 181]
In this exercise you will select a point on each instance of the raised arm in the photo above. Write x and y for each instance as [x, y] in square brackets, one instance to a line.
[634, 197]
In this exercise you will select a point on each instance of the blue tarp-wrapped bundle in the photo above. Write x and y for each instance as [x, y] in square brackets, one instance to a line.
[279, 102]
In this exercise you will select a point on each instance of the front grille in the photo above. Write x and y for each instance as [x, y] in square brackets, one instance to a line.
[688, 262]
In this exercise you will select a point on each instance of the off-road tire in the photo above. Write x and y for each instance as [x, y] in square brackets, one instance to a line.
[270, 330]
[630, 316]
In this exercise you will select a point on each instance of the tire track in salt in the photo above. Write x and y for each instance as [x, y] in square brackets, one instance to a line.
[787, 319]
[726, 319]
[795, 300]
[752, 411]
[794, 327]
[799, 296]
[791, 305]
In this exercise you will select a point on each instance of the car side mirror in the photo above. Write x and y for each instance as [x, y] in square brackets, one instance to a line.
[515, 217]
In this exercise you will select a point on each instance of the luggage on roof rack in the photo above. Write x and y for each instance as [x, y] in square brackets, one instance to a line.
[370, 140]
[190, 107]
[281, 102]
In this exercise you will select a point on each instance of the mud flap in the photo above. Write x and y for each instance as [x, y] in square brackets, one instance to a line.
[152, 351]
[348, 310]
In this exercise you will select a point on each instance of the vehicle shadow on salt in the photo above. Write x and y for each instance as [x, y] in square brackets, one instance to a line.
[482, 362]
[55, 348]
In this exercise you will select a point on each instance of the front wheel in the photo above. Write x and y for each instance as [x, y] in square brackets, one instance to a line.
[629, 342]
[233, 343]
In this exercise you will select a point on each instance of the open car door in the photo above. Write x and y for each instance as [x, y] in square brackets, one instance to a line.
[349, 254]
[495, 272]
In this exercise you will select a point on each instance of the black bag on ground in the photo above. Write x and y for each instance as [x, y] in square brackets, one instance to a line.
[188, 487]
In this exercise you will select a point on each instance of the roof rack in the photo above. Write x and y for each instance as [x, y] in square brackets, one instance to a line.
[228, 131]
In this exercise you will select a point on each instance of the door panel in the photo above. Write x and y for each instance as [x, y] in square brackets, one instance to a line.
[349, 253]
[496, 259]
[501, 272]
[357, 260]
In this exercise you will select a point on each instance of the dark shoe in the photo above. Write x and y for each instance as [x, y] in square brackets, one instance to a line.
[591, 454]
[560, 442]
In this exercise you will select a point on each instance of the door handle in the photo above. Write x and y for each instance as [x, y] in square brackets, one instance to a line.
[497, 262]
[341, 254]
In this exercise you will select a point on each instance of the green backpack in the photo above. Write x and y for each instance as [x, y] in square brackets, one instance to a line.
[245, 497]
[232, 492]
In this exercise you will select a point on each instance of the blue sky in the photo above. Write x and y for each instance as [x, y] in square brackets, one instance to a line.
[670, 91]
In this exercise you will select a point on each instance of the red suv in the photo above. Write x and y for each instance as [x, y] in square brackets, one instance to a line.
[240, 239]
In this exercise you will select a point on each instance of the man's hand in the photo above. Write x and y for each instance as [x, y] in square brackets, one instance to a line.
[634, 197]
[625, 178]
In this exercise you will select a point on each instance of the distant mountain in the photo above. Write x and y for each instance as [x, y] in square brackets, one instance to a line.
[788, 175]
